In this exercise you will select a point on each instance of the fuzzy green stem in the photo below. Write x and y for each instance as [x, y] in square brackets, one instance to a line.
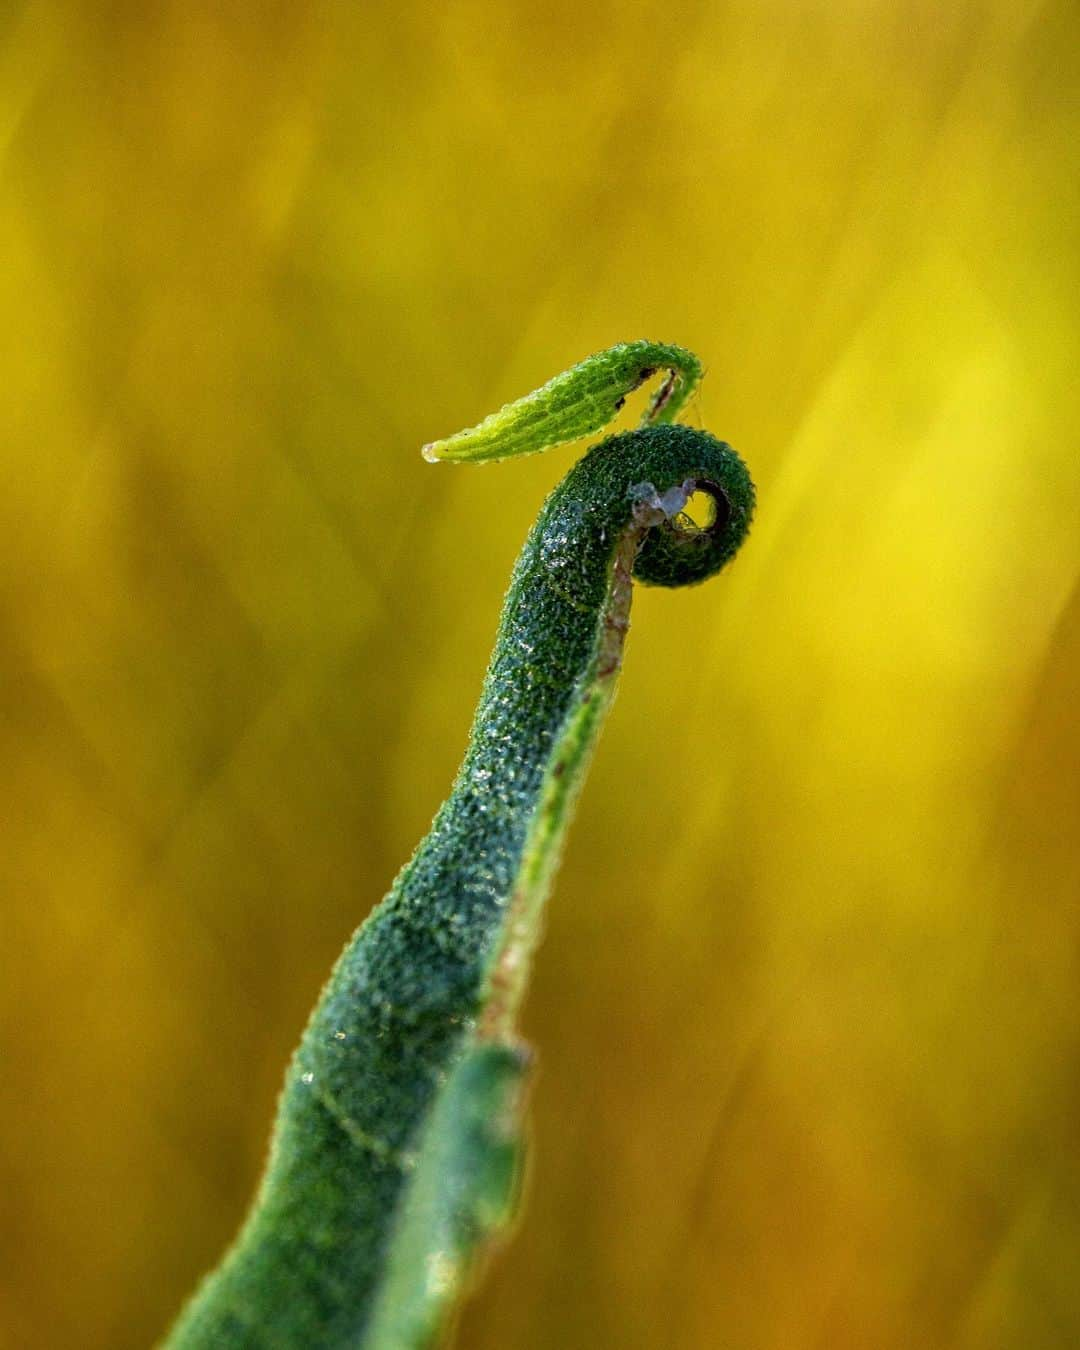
[396, 1144]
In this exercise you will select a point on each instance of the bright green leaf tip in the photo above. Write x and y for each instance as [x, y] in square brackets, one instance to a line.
[578, 403]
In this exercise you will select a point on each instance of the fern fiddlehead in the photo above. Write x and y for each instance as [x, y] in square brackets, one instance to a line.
[397, 1142]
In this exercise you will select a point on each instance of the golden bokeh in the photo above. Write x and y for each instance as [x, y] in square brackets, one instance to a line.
[808, 1010]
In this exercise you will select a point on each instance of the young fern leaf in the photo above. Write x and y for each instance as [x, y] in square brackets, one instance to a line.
[397, 1147]
[579, 402]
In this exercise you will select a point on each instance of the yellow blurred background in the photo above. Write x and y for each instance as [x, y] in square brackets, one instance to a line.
[808, 1009]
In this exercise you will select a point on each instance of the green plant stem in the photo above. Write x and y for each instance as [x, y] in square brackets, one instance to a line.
[397, 1140]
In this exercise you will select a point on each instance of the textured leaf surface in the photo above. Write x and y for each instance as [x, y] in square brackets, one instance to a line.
[578, 402]
[395, 1150]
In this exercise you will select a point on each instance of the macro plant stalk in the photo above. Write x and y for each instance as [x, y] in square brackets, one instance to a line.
[397, 1147]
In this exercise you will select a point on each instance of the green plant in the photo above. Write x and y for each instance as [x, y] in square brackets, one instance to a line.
[397, 1145]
